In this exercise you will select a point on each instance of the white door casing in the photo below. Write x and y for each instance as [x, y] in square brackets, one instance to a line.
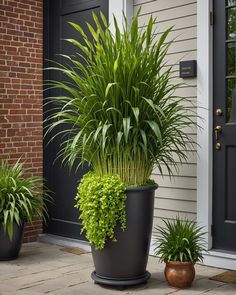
[118, 8]
[204, 111]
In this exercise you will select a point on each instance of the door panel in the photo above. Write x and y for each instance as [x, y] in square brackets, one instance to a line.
[224, 133]
[60, 180]
[230, 213]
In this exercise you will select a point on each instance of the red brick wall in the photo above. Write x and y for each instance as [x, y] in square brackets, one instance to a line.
[21, 41]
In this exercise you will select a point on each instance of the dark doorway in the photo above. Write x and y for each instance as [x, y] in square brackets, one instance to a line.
[60, 180]
[224, 133]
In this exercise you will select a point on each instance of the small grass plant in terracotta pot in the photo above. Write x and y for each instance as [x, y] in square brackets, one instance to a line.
[180, 244]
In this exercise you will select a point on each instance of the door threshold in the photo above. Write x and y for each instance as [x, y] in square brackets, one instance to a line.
[224, 253]
[220, 258]
[64, 241]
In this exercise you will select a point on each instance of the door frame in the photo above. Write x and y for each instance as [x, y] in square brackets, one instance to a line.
[120, 8]
[204, 134]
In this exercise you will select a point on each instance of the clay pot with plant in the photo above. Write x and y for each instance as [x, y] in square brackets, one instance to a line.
[21, 199]
[123, 120]
[180, 244]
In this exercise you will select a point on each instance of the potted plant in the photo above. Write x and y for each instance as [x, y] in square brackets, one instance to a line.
[21, 198]
[118, 101]
[180, 244]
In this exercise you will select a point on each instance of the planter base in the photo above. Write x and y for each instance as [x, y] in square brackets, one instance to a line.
[121, 282]
[9, 258]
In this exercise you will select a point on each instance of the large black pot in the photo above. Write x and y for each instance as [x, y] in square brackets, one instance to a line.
[9, 249]
[124, 262]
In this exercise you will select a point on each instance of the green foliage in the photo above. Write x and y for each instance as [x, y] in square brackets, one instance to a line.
[20, 198]
[119, 103]
[180, 240]
[101, 201]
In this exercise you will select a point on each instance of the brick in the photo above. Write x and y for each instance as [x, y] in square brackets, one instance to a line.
[4, 68]
[12, 74]
[18, 111]
[24, 17]
[6, 8]
[14, 32]
[17, 21]
[23, 6]
[2, 30]
[19, 58]
[24, 150]
[11, 14]
[7, 37]
[28, 34]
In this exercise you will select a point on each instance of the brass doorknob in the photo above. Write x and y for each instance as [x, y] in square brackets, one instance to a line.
[217, 129]
[219, 112]
[218, 146]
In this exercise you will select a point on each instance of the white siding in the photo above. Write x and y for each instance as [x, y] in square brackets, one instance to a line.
[176, 195]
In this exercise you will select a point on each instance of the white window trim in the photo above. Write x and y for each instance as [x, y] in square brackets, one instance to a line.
[204, 136]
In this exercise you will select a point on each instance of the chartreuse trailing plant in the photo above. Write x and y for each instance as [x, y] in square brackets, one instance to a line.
[180, 240]
[119, 103]
[21, 198]
[102, 204]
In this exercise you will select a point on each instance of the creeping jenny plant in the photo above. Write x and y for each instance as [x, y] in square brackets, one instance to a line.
[102, 203]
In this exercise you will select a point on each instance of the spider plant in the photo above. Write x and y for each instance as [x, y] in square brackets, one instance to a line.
[21, 198]
[180, 240]
[118, 101]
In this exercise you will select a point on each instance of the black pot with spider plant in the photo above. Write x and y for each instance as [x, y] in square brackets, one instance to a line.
[21, 199]
[180, 244]
[123, 120]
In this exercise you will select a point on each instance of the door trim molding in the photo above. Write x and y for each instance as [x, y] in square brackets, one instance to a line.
[117, 8]
[204, 111]
[220, 259]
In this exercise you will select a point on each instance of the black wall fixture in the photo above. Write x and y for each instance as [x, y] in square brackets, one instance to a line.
[188, 69]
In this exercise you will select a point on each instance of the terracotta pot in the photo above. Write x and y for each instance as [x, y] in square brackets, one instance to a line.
[180, 274]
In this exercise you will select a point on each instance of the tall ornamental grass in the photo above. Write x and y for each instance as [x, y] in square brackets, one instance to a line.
[119, 102]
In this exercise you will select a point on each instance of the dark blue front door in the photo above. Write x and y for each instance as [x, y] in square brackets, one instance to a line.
[60, 180]
[224, 124]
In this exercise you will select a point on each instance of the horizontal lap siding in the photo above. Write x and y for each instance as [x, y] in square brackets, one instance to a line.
[176, 195]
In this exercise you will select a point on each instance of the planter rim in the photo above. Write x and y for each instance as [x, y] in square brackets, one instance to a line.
[180, 262]
[142, 188]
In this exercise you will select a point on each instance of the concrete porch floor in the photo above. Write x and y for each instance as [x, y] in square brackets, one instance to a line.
[45, 269]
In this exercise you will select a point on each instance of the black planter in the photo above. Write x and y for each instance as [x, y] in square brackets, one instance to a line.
[9, 249]
[124, 262]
